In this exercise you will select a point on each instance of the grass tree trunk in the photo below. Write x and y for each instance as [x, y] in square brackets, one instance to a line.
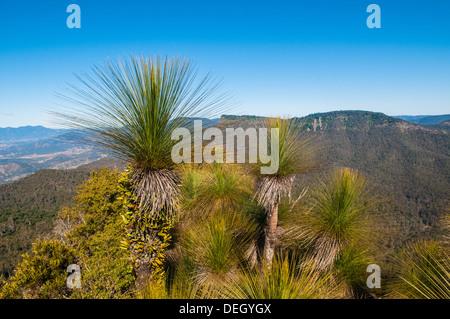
[148, 248]
[271, 234]
[143, 273]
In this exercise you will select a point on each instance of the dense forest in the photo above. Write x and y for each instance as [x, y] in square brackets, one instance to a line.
[29, 206]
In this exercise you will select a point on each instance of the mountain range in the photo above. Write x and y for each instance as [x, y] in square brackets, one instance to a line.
[25, 150]
[425, 119]
[406, 162]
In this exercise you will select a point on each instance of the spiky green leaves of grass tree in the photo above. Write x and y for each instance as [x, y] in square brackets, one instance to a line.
[215, 188]
[297, 155]
[423, 272]
[177, 287]
[339, 227]
[285, 279]
[217, 247]
[130, 108]
[211, 253]
[342, 213]
[191, 178]
[350, 268]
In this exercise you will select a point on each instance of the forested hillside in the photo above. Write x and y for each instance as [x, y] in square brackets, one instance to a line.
[409, 164]
[28, 207]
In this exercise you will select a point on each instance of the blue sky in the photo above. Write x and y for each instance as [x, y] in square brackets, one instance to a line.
[278, 57]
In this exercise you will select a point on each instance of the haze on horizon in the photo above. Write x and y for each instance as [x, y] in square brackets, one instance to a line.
[279, 58]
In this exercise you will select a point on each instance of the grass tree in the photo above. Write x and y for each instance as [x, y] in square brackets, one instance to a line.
[130, 108]
[284, 280]
[216, 188]
[341, 214]
[423, 272]
[339, 227]
[217, 247]
[423, 268]
[215, 235]
[296, 156]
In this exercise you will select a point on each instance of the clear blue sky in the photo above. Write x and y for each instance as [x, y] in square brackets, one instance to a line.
[278, 57]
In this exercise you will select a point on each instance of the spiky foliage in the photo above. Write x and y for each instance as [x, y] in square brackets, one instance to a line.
[177, 289]
[297, 153]
[179, 285]
[131, 107]
[423, 272]
[284, 280]
[296, 156]
[216, 188]
[191, 179]
[341, 214]
[216, 247]
[350, 267]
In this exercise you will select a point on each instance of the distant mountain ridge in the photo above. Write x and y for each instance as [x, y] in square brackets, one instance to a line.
[425, 119]
[32, 133]
[25, 150]
[27, 133]
[339, 120]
